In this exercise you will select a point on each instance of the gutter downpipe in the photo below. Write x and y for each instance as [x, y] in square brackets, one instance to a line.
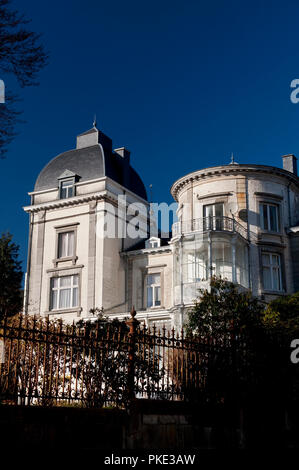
[27, 275]
[248, 234]
[289, 205]
[181, 278]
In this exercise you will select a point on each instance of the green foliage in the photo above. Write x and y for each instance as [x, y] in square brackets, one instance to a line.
[281, 321]
[10, 277]
[224, 308]
[244, 359]
[106, 377]
[282, 314]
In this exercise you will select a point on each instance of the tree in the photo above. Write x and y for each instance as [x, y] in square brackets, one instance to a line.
[281, 320]
[282, 314]
[106, 366]
[224, 309]
[22, 56]
[10, 277]
[246, 357]
[228, 322]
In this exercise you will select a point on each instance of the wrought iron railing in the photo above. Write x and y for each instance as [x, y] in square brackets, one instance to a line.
[50, 364]
[205, 224]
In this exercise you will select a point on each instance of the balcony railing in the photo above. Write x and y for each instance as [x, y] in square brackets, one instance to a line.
[206, 224]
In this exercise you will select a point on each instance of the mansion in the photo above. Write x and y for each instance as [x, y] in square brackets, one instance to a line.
[237, 221]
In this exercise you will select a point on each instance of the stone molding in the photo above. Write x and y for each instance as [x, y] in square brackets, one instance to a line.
[230, 170]
[59, 203]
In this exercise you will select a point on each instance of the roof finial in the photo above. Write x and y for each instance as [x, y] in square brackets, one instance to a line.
[95, 121]
[151, 193]
[232, 160]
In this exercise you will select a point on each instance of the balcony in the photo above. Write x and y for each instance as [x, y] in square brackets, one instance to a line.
[209, 224]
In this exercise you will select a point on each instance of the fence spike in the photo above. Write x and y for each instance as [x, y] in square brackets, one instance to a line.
[133, 312]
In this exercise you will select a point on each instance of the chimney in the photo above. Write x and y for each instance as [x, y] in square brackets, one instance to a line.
[125, 154]
[94, 137]
[290, 163]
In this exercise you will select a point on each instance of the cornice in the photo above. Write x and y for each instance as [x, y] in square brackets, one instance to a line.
[230, 170]
[269, 195]
[74, 201]
[146, 251]
[212, 195]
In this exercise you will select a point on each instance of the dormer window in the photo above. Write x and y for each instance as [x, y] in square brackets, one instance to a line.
[153, 242]
[67, 188]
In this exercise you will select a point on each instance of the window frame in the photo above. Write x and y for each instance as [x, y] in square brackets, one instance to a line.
[213, 222]
[68, 255]
[272, 266]
[153, 287]
[72, 185]
[153, 241]
[63, 229]
[269, 204]
[196, 266]
[58, 290]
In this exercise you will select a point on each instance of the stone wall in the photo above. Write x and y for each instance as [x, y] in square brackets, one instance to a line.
[150, 425]
[67, 427]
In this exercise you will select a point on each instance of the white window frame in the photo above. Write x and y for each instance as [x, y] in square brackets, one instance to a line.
[73, 285]
[213, 222]
[268, 205]
[69, 187]
[63, 229]
[272, 267]
[68, 254]
[153, 286]
[197, 268]
[153, 242]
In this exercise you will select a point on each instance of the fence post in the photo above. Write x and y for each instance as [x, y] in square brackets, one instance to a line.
[132, 324]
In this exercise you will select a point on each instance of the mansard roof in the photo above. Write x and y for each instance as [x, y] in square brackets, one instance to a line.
[93, 158]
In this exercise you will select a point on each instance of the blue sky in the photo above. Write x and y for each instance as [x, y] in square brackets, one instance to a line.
[182, 84]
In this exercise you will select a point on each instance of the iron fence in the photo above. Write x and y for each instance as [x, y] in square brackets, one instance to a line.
[109, 363]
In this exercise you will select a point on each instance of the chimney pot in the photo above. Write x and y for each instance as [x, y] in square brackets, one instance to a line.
[123, 152]
[290, 163]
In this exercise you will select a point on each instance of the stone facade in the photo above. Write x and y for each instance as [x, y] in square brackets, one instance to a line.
[240, 222]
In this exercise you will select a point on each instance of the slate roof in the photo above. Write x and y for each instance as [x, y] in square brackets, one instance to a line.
[90, 163]
[140, 244]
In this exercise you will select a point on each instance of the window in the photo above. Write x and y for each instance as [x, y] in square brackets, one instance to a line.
[66, 244]
[269, 217]
[64, 292]
[213, 216]
[271, 271]
[152, 242]
[197, 267]
[67, 189]
[153, 290]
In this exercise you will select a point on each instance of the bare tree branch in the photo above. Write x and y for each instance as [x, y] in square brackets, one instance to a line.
[21, 55]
